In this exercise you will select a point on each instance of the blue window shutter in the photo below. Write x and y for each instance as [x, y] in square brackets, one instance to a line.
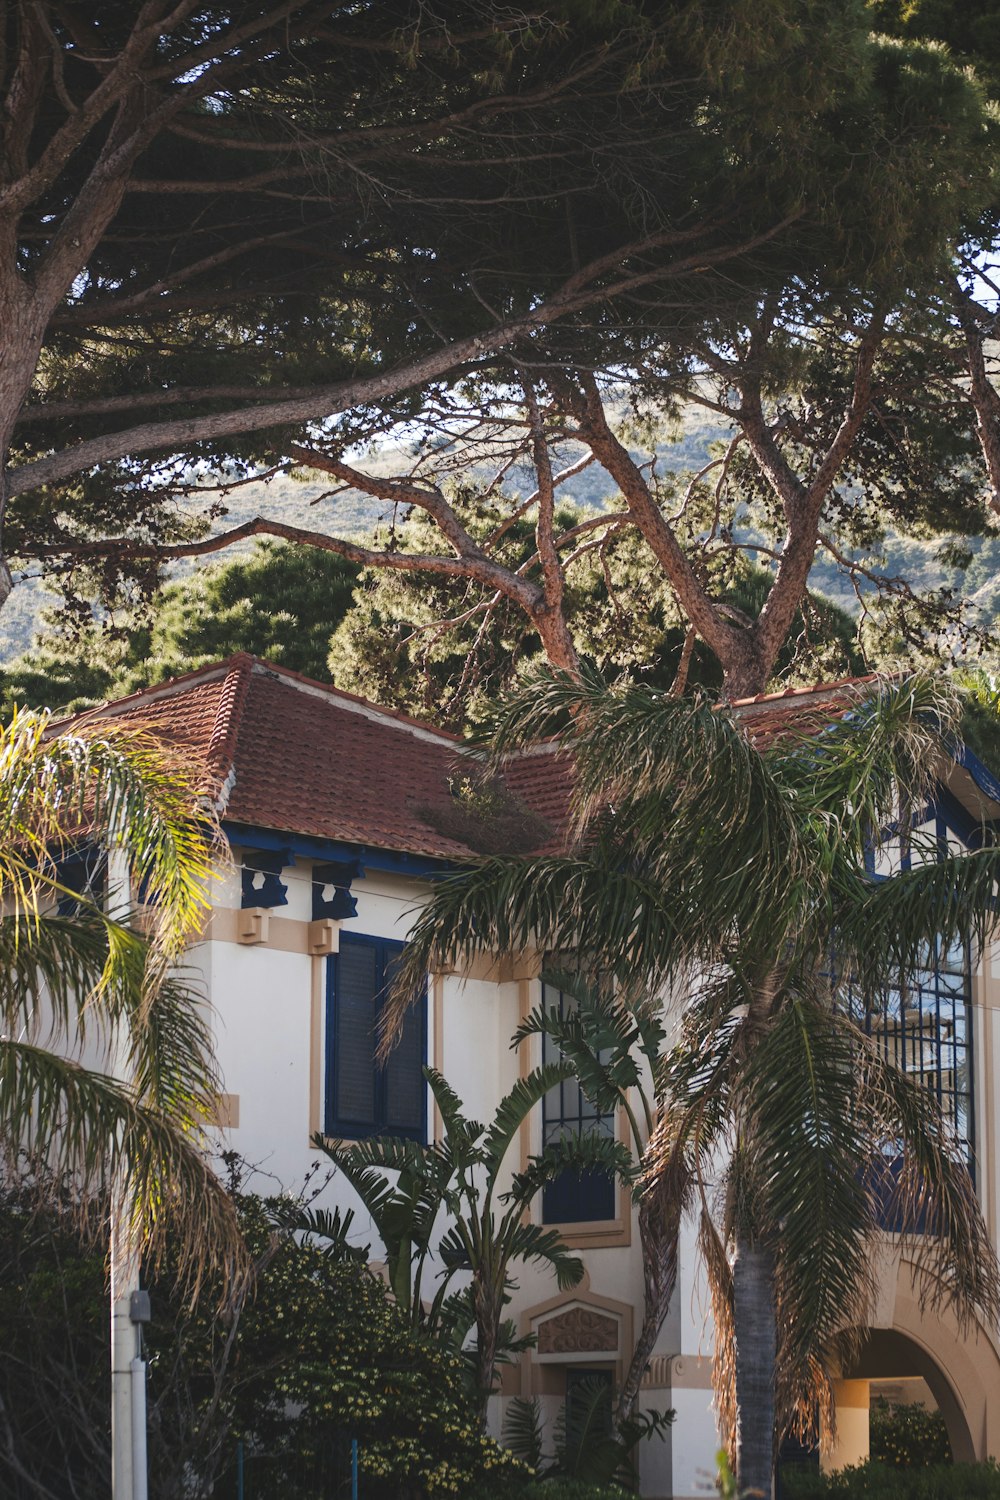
[356, 992]
[362, 1097]
[405, 1087]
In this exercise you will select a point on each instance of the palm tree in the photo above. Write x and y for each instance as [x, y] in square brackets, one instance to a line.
[79, 980]
[726, 875]
[486, 1230]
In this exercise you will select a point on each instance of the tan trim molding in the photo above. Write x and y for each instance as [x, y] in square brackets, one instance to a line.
[226, 925]
[486, 966]
[227, 1112]
[684, 1372]
[536, 1376]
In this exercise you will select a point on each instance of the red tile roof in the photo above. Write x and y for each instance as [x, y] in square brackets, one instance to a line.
[798, 711]
[296, 756]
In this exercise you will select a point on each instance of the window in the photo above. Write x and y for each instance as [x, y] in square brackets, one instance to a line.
[362, 1097]
[84, 872]
[574, 1197]
[925, 1030]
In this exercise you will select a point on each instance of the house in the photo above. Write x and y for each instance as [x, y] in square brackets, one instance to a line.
[339, 813]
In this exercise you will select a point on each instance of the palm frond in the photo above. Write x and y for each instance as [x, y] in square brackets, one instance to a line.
[927, 1192]
[885, 931]
[804, 1169]
[333, 1229]
[109, 782]
[515, 1107]
[890, 745]
[504, 906]
[588, 1152]
[534, 1242]
[522, 1431]
[580, 1044]
[94, 1128]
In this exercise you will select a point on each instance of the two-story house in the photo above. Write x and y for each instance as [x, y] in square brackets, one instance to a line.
[334, 809]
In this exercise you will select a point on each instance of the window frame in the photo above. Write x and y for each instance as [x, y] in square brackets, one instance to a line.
[335, 1126]
[549, 1198]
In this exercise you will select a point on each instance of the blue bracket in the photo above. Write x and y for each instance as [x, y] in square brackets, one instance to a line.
[331, 890]
[261, 871]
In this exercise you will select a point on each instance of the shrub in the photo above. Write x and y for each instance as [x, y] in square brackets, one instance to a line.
[574, 1489]
[875, 1481]
[908, 1435]
[317, 1353]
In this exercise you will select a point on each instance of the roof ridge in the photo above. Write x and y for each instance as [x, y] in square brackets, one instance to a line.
[808, 690]
[331, 690]
[221, 750]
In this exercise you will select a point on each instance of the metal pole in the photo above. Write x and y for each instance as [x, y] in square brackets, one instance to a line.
[239, 1470]
[354, 1469]
[124, 1279]
[128, 1395]
[140, 1478]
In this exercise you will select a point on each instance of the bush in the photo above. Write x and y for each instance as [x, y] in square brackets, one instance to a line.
[574, 1489]
[875, 1481]
[319, 1354]
[908, 1436]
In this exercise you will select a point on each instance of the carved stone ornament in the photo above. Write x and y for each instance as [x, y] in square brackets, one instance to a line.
[580, 1330]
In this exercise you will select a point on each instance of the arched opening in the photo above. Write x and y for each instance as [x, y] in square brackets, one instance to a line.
[893, 1363]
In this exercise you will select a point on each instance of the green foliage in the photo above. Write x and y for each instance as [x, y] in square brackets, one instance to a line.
[487, 1232]
[317, 1349]
[877, 1481]
[698, 851]
[92, 973]
[590, 1443]
[908, 1435]
[560, 1488]
[396, 646]
[281, 603]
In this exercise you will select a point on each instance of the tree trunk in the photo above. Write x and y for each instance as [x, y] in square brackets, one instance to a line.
[557, 641]
[755, 1332]
[744, 674]
[488, 1318]
[659, 1265]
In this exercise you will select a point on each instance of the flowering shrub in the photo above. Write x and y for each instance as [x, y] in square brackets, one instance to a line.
[321, 1349]
[908, 1435]
[315, 1356]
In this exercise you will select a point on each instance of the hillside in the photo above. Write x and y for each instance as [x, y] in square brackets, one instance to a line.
[310, 504]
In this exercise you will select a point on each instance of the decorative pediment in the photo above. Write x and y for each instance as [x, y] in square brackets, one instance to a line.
[579, 1330]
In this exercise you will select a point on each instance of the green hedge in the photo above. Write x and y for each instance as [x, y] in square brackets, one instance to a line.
[573, 1489]
[875, 1481]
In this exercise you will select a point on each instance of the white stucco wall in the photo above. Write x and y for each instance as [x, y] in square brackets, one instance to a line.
[271, 1047]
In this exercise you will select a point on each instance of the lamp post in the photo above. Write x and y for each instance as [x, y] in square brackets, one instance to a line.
[129, 1304]
[129, 1312]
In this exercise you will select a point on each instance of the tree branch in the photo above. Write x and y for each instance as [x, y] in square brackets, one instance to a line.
[580, 290]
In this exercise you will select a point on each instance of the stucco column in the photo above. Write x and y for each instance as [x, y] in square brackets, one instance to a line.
[850, 1446]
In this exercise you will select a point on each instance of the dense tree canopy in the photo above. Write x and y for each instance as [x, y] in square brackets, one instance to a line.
[759, 206]
[430, 649]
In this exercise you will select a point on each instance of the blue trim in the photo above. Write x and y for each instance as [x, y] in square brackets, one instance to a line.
[271, 891]
[981, 775]
[337, 851]
[948, 810]
[341, 904]
[386, 950]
